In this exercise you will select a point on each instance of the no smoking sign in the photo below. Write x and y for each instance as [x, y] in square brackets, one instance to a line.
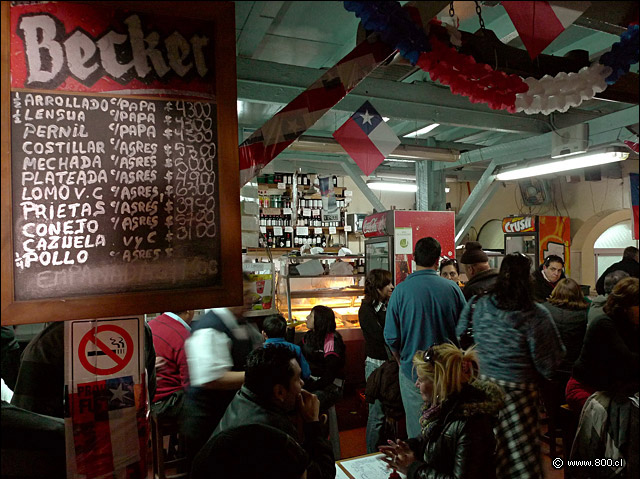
[106, 348]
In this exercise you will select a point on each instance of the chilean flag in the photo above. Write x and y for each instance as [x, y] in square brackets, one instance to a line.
[367, 138]
[539, 23]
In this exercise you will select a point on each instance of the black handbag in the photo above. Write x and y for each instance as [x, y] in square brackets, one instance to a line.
[466, 338]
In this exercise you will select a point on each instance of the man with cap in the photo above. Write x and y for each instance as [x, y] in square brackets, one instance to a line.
[481, 276]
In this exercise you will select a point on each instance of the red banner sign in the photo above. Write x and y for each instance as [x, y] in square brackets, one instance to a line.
[84, 48]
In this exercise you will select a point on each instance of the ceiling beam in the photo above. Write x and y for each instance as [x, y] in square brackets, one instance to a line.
[269, 82]
[602, 130]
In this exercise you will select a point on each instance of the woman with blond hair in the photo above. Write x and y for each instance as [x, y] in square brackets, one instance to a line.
[457, 419]
[568, 310]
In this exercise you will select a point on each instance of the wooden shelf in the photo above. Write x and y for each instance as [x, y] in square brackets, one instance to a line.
[338, 228]
[354, 275]
[332, 249]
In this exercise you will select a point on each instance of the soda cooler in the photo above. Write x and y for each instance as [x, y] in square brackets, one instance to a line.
[538, 237]
[391, 237]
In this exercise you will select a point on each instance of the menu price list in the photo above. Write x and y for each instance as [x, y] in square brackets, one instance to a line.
[113, 195]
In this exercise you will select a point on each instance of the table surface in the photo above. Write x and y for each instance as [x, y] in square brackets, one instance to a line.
[367, 466]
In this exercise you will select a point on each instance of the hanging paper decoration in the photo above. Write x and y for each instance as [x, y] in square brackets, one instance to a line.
[622, 55]
[538, 23]
[366, 138]
[294, 119]
[565, 90]
[481, 83]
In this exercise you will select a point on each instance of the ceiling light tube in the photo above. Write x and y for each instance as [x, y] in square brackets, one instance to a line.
[583, 161]
[421, 131]
[389, 186]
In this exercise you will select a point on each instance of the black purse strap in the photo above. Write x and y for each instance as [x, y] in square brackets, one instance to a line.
[472, 306]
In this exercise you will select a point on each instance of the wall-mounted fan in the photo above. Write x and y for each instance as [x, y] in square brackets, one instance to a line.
[534, 192]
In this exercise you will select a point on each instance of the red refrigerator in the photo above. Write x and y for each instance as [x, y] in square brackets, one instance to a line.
[392, 235]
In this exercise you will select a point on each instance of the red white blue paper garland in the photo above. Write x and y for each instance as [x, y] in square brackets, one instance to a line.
[479, 82]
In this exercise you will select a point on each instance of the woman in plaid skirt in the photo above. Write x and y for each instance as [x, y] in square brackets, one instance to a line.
[517, 344]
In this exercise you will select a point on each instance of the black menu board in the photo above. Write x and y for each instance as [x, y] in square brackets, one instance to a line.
[113, 195]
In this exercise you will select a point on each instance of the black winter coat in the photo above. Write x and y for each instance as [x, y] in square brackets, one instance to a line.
[542, 289]
[461, 445]
[629, 265]
[480, 284]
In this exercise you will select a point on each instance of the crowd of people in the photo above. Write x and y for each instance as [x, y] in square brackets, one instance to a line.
[469, 412]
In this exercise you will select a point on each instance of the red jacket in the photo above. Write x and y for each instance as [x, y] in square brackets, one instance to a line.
[169, 336]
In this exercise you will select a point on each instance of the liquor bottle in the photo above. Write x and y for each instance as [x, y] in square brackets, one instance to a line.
[323, 242]
[335, 181]
[287, 242]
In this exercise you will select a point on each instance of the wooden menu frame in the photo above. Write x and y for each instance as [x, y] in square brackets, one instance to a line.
[230, 291]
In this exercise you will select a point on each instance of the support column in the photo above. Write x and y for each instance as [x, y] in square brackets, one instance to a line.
[436, 193]
[354, 172]
[480, 195]
[430, 195]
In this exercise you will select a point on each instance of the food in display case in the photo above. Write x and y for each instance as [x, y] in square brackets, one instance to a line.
[297, 295]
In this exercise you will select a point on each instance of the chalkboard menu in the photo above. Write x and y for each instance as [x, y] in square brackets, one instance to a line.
[113, 195]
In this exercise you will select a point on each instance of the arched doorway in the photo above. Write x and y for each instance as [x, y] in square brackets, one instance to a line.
[609, 246]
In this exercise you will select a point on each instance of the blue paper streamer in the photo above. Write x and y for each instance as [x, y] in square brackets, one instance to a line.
[622, 55]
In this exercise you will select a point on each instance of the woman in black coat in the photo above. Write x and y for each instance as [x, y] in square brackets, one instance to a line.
[457, 439]
[377, 291]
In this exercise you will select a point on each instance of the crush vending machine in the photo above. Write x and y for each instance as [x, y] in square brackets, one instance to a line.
[538, 237]
[392, 235]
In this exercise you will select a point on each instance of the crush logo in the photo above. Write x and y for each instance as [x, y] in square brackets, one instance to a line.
[518, 224]
[51, 55]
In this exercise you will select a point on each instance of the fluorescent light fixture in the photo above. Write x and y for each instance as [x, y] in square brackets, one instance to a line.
[421, 131]
[570, 153]
[389, 186]
[583, 161]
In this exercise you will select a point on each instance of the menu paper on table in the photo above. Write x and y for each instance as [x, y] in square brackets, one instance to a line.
[370, 466]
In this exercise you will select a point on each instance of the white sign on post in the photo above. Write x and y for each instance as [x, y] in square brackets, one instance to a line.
[106, 392]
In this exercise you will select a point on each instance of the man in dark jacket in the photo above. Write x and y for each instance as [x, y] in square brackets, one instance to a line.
[628, 264]
[546, 277]
[272, 395]
[481, 276]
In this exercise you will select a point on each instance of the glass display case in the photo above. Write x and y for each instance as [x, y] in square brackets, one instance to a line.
[329, 280]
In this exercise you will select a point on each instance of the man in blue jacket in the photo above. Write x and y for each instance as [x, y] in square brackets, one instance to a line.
[423, 311]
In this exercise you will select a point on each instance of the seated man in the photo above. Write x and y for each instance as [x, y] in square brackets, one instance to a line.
[267, 453]
[274, 329]
[170, 331]
[272, 394]
[33, 445]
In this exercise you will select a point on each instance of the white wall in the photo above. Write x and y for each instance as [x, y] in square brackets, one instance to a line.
[360, 204]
